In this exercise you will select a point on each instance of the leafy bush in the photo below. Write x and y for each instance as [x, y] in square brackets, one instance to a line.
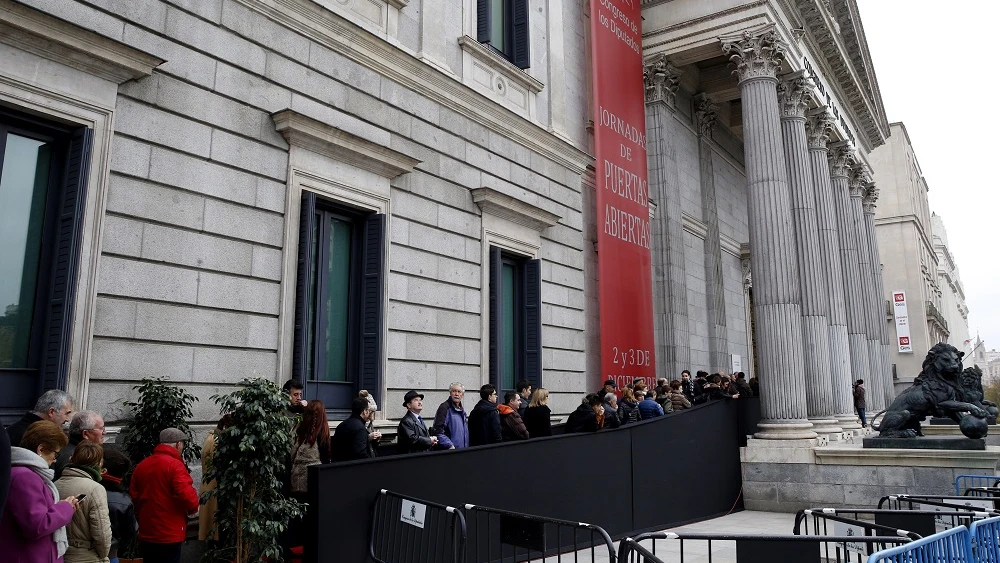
[248, 465]
[161, 405]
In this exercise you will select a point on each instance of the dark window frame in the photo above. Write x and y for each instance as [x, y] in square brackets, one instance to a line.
[517, 31]
[527, 322]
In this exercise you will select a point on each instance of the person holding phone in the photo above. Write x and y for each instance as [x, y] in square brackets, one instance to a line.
[90, 536]
[33, 522]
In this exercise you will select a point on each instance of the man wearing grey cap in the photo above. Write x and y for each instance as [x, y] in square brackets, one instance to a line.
[164, 495]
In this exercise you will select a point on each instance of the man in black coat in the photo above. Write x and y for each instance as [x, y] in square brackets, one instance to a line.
[412, 434]
[351, 440]
[54, 405]
[484, 420]
[584, 418]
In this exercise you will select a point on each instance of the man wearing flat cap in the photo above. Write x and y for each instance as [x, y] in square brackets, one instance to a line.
[164, 495]
[412, 432]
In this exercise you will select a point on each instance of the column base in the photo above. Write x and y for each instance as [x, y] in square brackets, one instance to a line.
[791, 430]
[825, 425]
[848, 421]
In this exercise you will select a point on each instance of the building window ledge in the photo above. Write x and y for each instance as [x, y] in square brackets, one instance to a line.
[495, 76]
[514, 210]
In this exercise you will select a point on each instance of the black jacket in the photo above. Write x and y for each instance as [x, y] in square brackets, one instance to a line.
[538, 421]
[628, 413]
[350, 441]
[744, 388]
[124, 527]
[583, 419]
[16, 431]
[612, 417]
[412, 436]
[484, 424]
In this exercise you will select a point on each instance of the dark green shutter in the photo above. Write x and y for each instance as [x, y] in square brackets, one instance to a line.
[66, 258]
[484, 20]
[533, 322]
[496, 322]
[372, 300]
[520, 54]
[303, 286]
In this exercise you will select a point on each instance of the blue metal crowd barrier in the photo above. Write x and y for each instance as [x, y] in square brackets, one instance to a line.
[412, 530]
[754, 548]
[501, 535]
[951, 546]
[963, 482]
[985, 536]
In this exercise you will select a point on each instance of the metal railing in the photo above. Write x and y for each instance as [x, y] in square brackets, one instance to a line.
[631, 551]
[415, 531]
[951, 546]
[847, 521]
[500, 535]
[963, 482]
[670, 547]
[954, 502]
[985, 537]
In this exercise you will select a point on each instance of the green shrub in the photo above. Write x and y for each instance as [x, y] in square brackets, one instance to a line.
[161, 404]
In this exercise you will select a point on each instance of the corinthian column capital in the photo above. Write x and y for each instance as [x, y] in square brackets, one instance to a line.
[870, 196]
[859, 179]
[819, 127]
[841, 157]
[705, 113]
[661, 79]
[757, 53]
[794, 93]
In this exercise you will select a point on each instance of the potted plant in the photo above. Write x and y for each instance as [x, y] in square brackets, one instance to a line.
[160, 405]
[248, 465]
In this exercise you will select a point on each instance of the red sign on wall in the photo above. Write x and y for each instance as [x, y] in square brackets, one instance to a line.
[623, 234]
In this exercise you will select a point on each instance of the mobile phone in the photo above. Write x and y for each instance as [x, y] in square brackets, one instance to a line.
[80, 497]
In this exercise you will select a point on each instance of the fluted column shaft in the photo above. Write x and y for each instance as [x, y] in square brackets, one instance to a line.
[840, 158]
[792, 92]
[875, 380]
[777, 312]
[820, 126]
[715, 295]
[878, 299]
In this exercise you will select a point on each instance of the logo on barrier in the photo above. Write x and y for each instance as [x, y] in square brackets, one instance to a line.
[843, 529]
[413, 513]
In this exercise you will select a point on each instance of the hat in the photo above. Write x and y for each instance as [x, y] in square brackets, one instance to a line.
[410, 395]
[172, 435]
[611, 382]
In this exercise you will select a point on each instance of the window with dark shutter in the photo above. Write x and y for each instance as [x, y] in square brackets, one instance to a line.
[503, 25]
[339, 302]
[515, 320]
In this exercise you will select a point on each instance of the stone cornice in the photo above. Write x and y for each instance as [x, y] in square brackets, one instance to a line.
[819, 127]
[756, 53]
[30, 30]
[393, 63]
[705, 114]
[500, 64]
[694, 226]
[661, 79]
[308, 133]
[794, 94]
[507, 207]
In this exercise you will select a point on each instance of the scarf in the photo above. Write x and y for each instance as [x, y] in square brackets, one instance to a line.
[91, 471]
[109, 478]
[20, 457]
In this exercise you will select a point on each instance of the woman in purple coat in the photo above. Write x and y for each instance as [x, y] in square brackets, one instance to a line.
[33, 524]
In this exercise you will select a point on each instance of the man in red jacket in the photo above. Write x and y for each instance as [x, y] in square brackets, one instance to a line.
[164, 494]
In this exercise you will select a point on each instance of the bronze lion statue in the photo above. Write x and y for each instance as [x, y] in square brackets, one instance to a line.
[972, 384]
[937, 391]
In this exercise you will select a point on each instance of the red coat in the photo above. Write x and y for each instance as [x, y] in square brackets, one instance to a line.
[164, 494]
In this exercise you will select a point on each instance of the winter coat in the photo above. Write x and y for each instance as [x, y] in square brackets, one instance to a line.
[583, 419]
[350, 441]
[612, 416]
[628, 411]
[412, 434]
[690, 389]
[679, 401]
[65, 455]
[665, 404]
[16, 430]
[511, 426]
[206, 514]
[90, 529]
[30, 518]
[124, 527]
[164, 494]
[538, 421]
[859, 397]
[648, 408]
[743, 388]
[451, 425]
[303, 456]
[484, 424]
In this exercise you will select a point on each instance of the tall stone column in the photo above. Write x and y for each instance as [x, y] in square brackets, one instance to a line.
[673, 341]
[881, 330]
[793, 95]
[860, 179]
[715, 295]
[819, 126]
[841, 160]
[757, 55]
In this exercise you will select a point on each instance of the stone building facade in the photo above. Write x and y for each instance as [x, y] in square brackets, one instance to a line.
[953, 305]
[910, 260]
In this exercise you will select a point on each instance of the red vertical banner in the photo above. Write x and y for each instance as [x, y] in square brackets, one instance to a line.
[623, 231]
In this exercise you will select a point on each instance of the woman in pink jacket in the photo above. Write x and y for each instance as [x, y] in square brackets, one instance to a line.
[33, 524]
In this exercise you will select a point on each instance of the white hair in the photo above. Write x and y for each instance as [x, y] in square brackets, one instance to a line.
[83, 420]
[456, 384]
[52, 399]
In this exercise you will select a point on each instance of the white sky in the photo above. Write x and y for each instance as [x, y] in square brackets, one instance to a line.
[936, 68]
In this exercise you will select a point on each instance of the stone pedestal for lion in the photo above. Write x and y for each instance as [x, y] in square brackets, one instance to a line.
[905, 458]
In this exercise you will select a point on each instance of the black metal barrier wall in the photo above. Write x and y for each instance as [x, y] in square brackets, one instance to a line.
[652, 475]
